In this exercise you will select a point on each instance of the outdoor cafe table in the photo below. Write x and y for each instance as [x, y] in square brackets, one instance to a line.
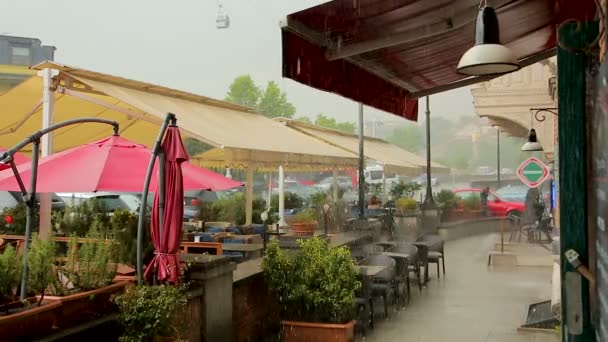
[370, 271]
[423, 247]
[402, 266]
[386, 244]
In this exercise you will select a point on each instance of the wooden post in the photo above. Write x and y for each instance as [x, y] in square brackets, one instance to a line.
[249, 196]
[572, 118]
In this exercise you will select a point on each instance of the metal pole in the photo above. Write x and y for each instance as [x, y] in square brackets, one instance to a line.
[144, 195]
[428, 197]
[361, 166]
[161, 191]
[498, 157]
[46, 144]
[30, 212]
[281, 196]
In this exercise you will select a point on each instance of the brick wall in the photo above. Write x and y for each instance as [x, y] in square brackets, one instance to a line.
[255, 311]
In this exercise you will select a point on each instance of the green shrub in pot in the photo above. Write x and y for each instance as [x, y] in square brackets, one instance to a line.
[317, 284]
[10, 273]
[146, 312]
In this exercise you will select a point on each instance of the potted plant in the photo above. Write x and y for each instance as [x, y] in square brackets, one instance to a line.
[406, 206]
[10, 269]
[146, 313]
[472, 206]
[304, 223]
[446, 202]
[84, 284]
[35, 315]
[316, 290]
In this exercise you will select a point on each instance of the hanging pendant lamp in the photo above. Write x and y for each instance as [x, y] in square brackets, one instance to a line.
[532, 145]
[488, 56]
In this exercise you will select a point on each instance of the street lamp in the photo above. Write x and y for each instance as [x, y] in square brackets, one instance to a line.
[532, 145]
[488, 56]
[429, 202]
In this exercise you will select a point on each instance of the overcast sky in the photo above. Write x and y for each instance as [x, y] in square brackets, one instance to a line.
[176, 44]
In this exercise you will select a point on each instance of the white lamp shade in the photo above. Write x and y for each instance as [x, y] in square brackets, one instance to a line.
[487, 59]
[532, 146]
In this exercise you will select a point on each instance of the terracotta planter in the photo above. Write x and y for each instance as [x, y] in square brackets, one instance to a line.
[318, 332]
[29, 323]
[304, 228]
[81, 307]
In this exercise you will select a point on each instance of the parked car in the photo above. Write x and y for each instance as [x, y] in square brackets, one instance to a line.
[110, 201]
[421, 180]
[344, 183]
[10, 199]
[497, 206]
[192, 200]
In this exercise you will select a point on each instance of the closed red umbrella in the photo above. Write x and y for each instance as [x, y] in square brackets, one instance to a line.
[167, 240]
[110, 164]
[18, 157]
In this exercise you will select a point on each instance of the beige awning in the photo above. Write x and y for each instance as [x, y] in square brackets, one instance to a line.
[393, 158]
[245, 138]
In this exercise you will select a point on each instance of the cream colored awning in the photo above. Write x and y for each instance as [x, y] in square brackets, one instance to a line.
[393, 158]
[245, 138]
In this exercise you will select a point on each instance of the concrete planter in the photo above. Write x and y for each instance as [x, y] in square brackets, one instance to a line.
[30, 322]
[81, 307]
[321, 332]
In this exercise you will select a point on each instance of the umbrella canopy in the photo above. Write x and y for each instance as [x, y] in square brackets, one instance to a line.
[18, 157]
[166, 240]
[109, 164]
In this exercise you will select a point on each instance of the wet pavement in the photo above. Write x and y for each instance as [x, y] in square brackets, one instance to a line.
[473, 303]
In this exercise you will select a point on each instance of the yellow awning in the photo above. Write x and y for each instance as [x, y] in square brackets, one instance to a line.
[393, 158]
[245, 138]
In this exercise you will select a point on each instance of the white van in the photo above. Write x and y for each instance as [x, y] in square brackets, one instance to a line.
[374, 175]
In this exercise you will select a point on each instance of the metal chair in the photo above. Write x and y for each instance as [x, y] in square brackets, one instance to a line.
[436, 252]
[412, 265]
[365, 305]
[384, 282]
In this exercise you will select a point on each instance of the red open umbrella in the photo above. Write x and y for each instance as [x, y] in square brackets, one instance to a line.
[110, 164]
[167, 240]
[18, 157]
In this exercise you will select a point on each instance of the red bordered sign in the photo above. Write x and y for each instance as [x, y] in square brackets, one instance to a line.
[533, 172]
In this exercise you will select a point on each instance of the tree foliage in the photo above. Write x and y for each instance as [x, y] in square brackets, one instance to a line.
[270, 101]
[273, 103]
[194, 147]
[244, 91]
[408, 138]
[304, 119]
[331, 123]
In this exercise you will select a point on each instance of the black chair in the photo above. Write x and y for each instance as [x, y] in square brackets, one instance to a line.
[384, 282]
[436, 252]
[412, 264]
[365, 305]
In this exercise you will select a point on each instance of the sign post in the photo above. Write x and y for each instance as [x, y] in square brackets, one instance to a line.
[533, 172]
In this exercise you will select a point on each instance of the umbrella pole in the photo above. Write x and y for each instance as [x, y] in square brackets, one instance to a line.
[31, 209]
[144, 195]
[161, 200]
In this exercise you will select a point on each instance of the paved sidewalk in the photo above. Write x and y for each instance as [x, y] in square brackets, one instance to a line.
[474, 303]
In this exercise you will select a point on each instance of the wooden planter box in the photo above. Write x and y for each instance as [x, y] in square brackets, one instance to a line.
[318, 332]
[304, 229]
[33, 322]
[83, 306]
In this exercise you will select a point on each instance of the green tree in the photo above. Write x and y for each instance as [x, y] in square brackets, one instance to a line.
[273, 102]
[408, 137]
[244, 91]
[331, 123]
[194, 147]
[304, 119]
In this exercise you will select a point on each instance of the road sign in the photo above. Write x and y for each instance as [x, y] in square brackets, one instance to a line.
[533, 172]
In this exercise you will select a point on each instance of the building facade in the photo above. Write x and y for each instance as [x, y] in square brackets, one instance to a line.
[16, 55]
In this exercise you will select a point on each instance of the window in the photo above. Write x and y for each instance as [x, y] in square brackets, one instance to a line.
[374, 175]
[463, 194]
[20, 55]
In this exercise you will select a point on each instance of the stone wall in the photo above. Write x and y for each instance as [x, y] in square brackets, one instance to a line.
[255, 310]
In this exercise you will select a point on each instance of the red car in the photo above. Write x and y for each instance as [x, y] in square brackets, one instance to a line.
[496, 205]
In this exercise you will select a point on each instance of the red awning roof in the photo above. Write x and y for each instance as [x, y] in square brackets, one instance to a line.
[386, 54]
